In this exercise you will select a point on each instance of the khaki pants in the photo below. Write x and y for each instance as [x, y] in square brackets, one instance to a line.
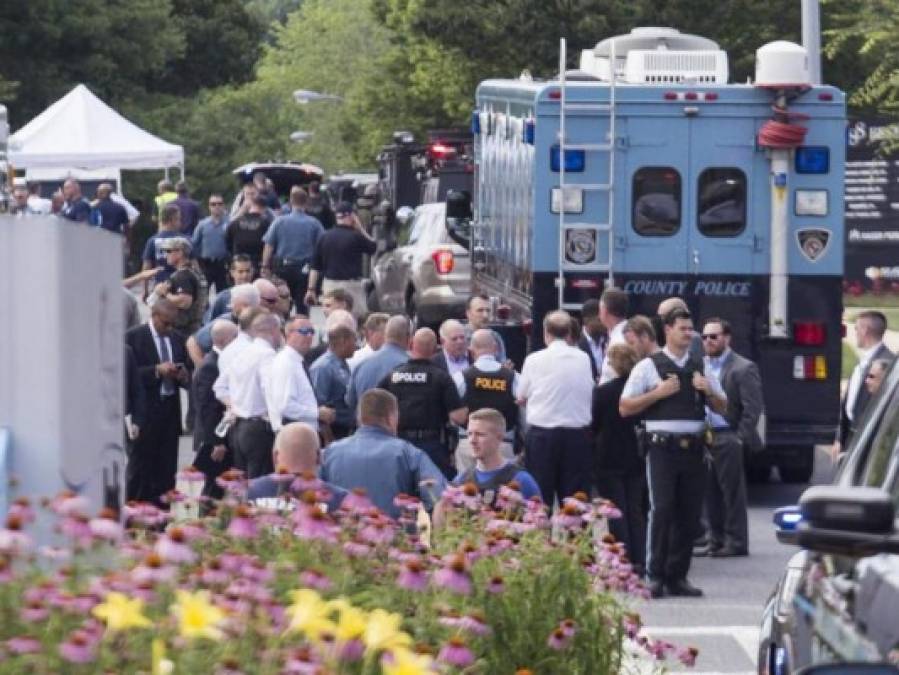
[465, 459]
[355, 289]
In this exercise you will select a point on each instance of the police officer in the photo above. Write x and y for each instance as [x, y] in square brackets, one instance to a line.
[428, 401]
[487, 384]
[670, 389]
[289, 246]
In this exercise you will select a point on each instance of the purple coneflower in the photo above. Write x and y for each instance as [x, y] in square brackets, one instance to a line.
[76, 527]
[172, 547]
[79, 647]
[243, 524]
[152, 570]
[496, 584]
[357, 501]
[357, 549]
[34, 611]
[412, 576]
[313, 523]
[23, 644]
[454, 576]
[106, 526]
[315, 579]
[232, 481]
[456, 653]
[568, 627]
[475, 624]
[12, 540]
[379, 531]
[190, 474]
[302, 662]
[687, 656]
[70, 504]
[305, 482]
[21, 508]
[558, 640]
[569, 517]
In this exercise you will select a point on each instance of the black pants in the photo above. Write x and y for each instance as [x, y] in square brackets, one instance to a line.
[154, 456]
[253, 441]
[676, 487]
[560, 460]
[297, 282]
[725, 496]
[216, 272]
[439, 454]
[628, 492]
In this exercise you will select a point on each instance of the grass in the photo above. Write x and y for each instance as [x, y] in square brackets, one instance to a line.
[850, 360]
[870, 300]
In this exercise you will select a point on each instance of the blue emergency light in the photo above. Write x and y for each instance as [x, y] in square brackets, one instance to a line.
[575, 160]
[813, 159]
[528, 131]
[476, 122]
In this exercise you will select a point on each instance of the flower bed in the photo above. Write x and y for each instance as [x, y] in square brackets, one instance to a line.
[296, 590]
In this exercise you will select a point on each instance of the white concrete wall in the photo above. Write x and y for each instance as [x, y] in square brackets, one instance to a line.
[61, 385]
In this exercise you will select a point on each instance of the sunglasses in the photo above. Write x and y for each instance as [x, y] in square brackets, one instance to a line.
[711, 336]
[304, 331]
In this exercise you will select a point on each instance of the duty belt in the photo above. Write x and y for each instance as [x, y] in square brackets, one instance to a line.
[675, 440]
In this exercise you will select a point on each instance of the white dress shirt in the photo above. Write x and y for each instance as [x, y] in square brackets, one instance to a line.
[157, 338]
[247, 377]
[364, 352]
[557, 383]
[645, 377]
[855, 379]
[226, 358]
[289, 393]
[616, 337]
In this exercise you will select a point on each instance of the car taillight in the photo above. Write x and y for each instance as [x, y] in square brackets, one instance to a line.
[809, 333]
[444, 261]
[809, 367]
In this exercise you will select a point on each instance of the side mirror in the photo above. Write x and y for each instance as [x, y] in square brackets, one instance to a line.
[404, 215]
[459, 217]
[850, 669]
[855, 522]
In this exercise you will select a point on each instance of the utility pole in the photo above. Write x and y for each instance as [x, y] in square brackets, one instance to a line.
[811, 38]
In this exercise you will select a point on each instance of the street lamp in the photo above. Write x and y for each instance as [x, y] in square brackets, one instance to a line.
[304, 96]
[301, 136]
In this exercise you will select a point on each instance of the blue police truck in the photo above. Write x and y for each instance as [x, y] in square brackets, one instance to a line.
[647, 170]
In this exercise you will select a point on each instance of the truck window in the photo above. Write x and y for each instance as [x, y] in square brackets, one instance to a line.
[656, 201]
[885, 443]
[721, 200]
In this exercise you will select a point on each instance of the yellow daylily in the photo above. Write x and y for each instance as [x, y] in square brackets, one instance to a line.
[120, 612]
[197, 617]
[405, 662]
[382, 632]
[309, 614]
[352, 624]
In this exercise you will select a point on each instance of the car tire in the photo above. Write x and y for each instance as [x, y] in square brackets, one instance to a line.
[412, 307]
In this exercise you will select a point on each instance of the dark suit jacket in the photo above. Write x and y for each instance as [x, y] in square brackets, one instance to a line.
[141, 340]
[584, 345]
[439, 360]
[847, 426]
[208, 408]
[616, 435]
[742, 382]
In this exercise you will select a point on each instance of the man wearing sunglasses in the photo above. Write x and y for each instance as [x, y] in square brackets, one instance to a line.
[209, 244]
[735, 432]
[289, 396]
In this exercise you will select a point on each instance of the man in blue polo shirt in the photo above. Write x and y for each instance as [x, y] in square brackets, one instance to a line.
[155, 250]
[75, 207]
[106, 213]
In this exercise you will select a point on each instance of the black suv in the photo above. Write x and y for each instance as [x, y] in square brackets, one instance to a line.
[838, 600]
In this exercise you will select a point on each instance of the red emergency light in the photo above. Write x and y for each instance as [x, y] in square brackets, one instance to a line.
[809, 333]
[441, 150]
[444, 261]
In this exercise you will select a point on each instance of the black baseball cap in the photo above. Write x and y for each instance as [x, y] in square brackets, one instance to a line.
[344, 208]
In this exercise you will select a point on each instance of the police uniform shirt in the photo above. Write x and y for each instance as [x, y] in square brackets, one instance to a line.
[426, 392]
[557, 383]
[487, 364]
[616, 337]
[644, 378]
[339, 251]
[293, 237]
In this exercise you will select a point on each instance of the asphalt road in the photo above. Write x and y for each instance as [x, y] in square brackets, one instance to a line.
[723, 624]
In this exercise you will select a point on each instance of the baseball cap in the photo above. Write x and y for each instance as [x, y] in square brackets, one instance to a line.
[343, 208]
[175, 243]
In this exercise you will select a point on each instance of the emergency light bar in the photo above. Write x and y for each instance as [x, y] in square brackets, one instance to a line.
[813, 160]
[575, 160]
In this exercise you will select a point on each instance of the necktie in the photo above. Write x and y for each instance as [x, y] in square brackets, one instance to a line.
[167, 387]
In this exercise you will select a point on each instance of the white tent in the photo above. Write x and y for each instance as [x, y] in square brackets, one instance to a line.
[80, 131]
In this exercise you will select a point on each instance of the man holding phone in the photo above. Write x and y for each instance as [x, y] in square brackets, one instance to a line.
[338, 259]
[161, 364]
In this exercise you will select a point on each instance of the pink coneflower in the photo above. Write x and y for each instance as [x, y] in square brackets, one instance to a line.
[80, 647]
[228, 667]
[232, 481]
[144, 514]
[243, 524]
[34, 611]
[257, 571]
[23, 645]
[302, 662]
[233, 562]
[315, 579]
[313, 523]
[412, 576]
[106, 526]
[406, 502]
[212, 574]
[70, 504]
[21, 508]
[357, 549]
[454, 576]
[558, 640]
[379, 531]
[475, 624]
[12, 540]
[357, 501]
[496, 584]
[568, 627]
[509, 497]
[152, 570]
[687, 656]
[659, 649]
[172, 547]
[569, 517]
[456, 653]
[306, 482]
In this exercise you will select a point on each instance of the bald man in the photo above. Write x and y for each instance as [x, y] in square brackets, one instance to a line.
[296, 451]
[212, 453]
[107, 213]
[428, 402]
[453, 355]
[268, 294]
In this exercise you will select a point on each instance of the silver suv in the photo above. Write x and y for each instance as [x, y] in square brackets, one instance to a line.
[422, 272]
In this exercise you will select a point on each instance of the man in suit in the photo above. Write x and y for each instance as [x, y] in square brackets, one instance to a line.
[870, 327]
[593, 337]
[453, 354]
[212, 453]
[135, 398]
[735, 432]
[162, 364]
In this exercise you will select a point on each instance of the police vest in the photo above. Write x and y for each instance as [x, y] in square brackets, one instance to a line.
[418, 388]
[489, 489]
[686, 404]
[491, 390]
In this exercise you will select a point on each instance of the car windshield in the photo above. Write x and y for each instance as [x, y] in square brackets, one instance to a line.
[428, 227]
